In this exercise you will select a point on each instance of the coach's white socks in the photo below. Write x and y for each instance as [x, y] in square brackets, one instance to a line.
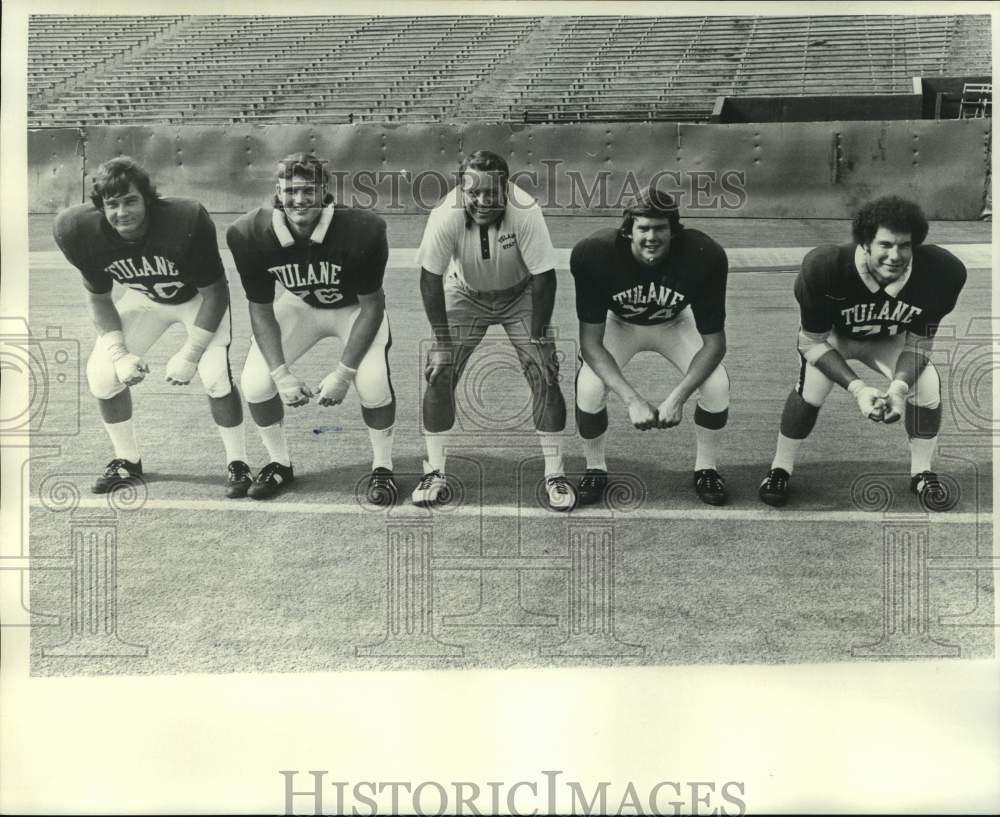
[784, 455]
[275, 442]
[594, 449]
[437, 441]
[123, 440]
[381, 447]
[552, 451]
[921, 454]
[707, 449]
[234, 438]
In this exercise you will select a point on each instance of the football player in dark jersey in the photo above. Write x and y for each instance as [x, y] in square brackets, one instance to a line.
[164, 251]
[330, 261]
[877, 300]
[633, 289]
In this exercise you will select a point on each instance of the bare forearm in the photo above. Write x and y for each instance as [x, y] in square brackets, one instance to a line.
[543, 299]
[605, 367]
[215, 301]
[105, 314]
[432, 294]
[360, 339]
[267, 334]
[833, 365]
[909, 366]
[704, 362]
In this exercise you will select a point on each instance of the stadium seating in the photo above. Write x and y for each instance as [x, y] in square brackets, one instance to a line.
[215, 69]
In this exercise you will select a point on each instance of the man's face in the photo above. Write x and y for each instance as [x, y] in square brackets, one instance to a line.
[889, 254]
[302, 197]
[650, 239]
[126, 213]
[485, 196]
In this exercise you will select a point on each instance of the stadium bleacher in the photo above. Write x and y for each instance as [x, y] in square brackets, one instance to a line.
[229, 69]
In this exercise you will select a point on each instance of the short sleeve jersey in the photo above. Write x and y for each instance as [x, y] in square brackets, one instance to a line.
[178, 254]
[487, 258]
[609, 278]
[327, 271]
[834, 296]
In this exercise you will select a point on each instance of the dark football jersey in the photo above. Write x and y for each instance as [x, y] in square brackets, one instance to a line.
[833, 296]
[178, 253]
[349, 261]
[608, 277]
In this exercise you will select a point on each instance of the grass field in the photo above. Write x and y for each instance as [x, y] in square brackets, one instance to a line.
[312, 580]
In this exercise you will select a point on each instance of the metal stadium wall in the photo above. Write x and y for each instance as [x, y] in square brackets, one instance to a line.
[789, 170]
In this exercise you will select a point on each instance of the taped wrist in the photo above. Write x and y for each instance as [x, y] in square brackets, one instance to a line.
[343, 372]
[196, 343]
[899, 387]
[114, 342]
[855, 386]
[282, 374]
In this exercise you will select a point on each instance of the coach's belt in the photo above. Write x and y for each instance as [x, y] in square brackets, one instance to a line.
[493, 294]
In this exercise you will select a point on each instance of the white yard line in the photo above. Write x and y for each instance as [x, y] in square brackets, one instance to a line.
[408, 513]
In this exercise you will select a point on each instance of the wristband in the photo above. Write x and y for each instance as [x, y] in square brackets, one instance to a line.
[115, 344]
[280, 373]
[855, 386]
[199, 338]
[345, 372]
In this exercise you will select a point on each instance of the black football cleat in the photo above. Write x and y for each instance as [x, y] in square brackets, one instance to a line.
[272, 479]
[774, 488]
[382, 489]
[238, 479]
[118, 473]
[710, 486]
[931, 492]
[592, 486]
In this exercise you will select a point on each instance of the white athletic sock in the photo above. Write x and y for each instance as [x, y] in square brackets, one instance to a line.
[234, 439]
[437, 441]
[381, 447]
[707, 440]
[593, 450]
[552, 451]
[784, 455]
[921, 453]
[123, 439]
[276, 443]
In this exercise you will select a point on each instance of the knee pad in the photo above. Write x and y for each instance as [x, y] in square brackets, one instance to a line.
[591, 393]
[213, 369]
[373, 383]
[713, 394]
[101, 378]
[256, 380]
[798, 417]
[591, 425]
[710, 419]
[923, 422]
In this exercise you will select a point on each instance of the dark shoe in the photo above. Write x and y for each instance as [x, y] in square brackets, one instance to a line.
[592, 486]
[382, 488]
[238, 479]
[272, 479]
[931, 492]
[118, 472]
[774, 488]
[710, 486]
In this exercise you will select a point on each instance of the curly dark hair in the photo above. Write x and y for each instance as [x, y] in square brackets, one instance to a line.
[651, 202]
[893, 213]
[114, 177]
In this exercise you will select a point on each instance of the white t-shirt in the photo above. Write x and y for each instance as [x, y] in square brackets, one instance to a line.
[487, 258]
